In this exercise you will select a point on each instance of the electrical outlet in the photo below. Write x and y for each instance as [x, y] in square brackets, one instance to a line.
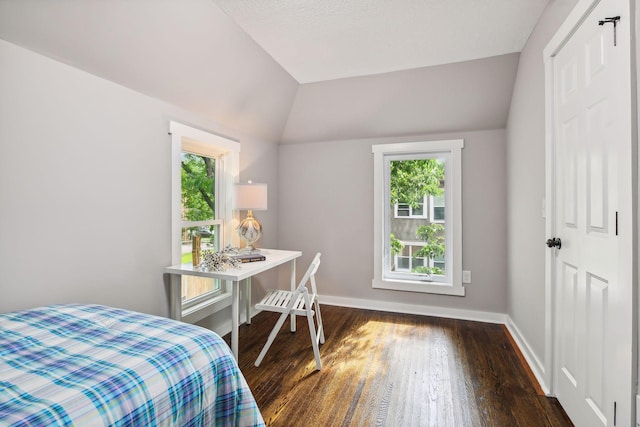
[466, 276]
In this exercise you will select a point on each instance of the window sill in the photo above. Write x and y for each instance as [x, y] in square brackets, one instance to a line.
[414, 286]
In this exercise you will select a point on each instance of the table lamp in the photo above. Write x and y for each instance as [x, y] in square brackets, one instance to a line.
[250, 197]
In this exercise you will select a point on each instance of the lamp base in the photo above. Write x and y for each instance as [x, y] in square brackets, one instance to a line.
[250, 230]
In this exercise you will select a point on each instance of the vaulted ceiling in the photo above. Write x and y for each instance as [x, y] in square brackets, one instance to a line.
[316, 40]
[296, 70]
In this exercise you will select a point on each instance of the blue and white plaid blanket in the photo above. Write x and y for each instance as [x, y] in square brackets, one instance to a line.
[90, 365]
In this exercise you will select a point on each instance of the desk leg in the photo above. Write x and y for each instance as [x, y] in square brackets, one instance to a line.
[235, 317]
[247, 297]
[175, 296]
[293, 288]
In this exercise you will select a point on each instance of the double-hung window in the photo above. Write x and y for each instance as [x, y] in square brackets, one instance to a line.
[408, 258]
[417, 217]
[436, 208]
[201, 227]
[204, 169]
[410, 210]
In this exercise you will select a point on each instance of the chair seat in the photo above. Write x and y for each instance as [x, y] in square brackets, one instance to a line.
[278, 301]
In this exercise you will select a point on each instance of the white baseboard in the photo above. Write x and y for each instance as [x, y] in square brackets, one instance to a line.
[536, 366]
[395, 307]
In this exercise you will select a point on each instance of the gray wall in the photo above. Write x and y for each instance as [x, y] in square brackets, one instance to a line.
[465, 96]
[85, 186]
[526, 178]
[326, 172]
[188, 53]
[326, 205]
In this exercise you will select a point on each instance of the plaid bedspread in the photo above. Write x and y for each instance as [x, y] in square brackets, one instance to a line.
[90, 365]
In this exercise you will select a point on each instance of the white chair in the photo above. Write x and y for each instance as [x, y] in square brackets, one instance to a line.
[301, 302]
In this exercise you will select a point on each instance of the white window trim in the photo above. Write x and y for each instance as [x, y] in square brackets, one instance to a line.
[454, 200]
[227, 154]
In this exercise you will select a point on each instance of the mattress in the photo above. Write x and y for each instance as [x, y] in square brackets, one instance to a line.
[91, 365]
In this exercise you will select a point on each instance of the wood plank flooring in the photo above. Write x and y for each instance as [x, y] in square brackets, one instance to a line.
[386, 369]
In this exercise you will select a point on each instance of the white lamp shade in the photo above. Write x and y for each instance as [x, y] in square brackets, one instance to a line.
[250, 197]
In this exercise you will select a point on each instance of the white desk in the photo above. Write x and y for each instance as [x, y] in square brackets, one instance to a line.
[235, 276]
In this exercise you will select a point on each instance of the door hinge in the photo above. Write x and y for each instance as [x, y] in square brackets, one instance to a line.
[616, 223]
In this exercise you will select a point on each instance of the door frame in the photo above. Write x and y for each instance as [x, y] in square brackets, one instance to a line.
[575, 18]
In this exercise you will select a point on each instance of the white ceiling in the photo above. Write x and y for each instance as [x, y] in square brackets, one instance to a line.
[317, 40]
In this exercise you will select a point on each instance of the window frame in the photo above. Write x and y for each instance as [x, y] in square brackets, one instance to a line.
[404, 274]
[453, 203]
[227, 154]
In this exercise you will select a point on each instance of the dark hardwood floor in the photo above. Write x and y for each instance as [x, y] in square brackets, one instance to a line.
[386, 369]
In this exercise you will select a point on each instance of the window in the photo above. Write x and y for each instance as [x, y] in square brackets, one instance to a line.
[437, 208]
[414, 251]
[200, 228]
[437, 263]
[409, 258]
[406, 210]
[204, 168]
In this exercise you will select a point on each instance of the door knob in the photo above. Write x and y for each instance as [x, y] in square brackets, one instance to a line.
[554, 242]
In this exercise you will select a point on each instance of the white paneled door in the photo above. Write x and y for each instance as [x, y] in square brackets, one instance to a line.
[593, 220]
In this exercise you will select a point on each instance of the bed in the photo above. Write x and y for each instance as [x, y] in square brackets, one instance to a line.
[91, 365]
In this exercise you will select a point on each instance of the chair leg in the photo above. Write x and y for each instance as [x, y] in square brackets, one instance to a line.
[320, 325]
[272, 336]
[314, 339]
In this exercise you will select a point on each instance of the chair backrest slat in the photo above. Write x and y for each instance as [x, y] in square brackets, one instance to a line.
[310, 275]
